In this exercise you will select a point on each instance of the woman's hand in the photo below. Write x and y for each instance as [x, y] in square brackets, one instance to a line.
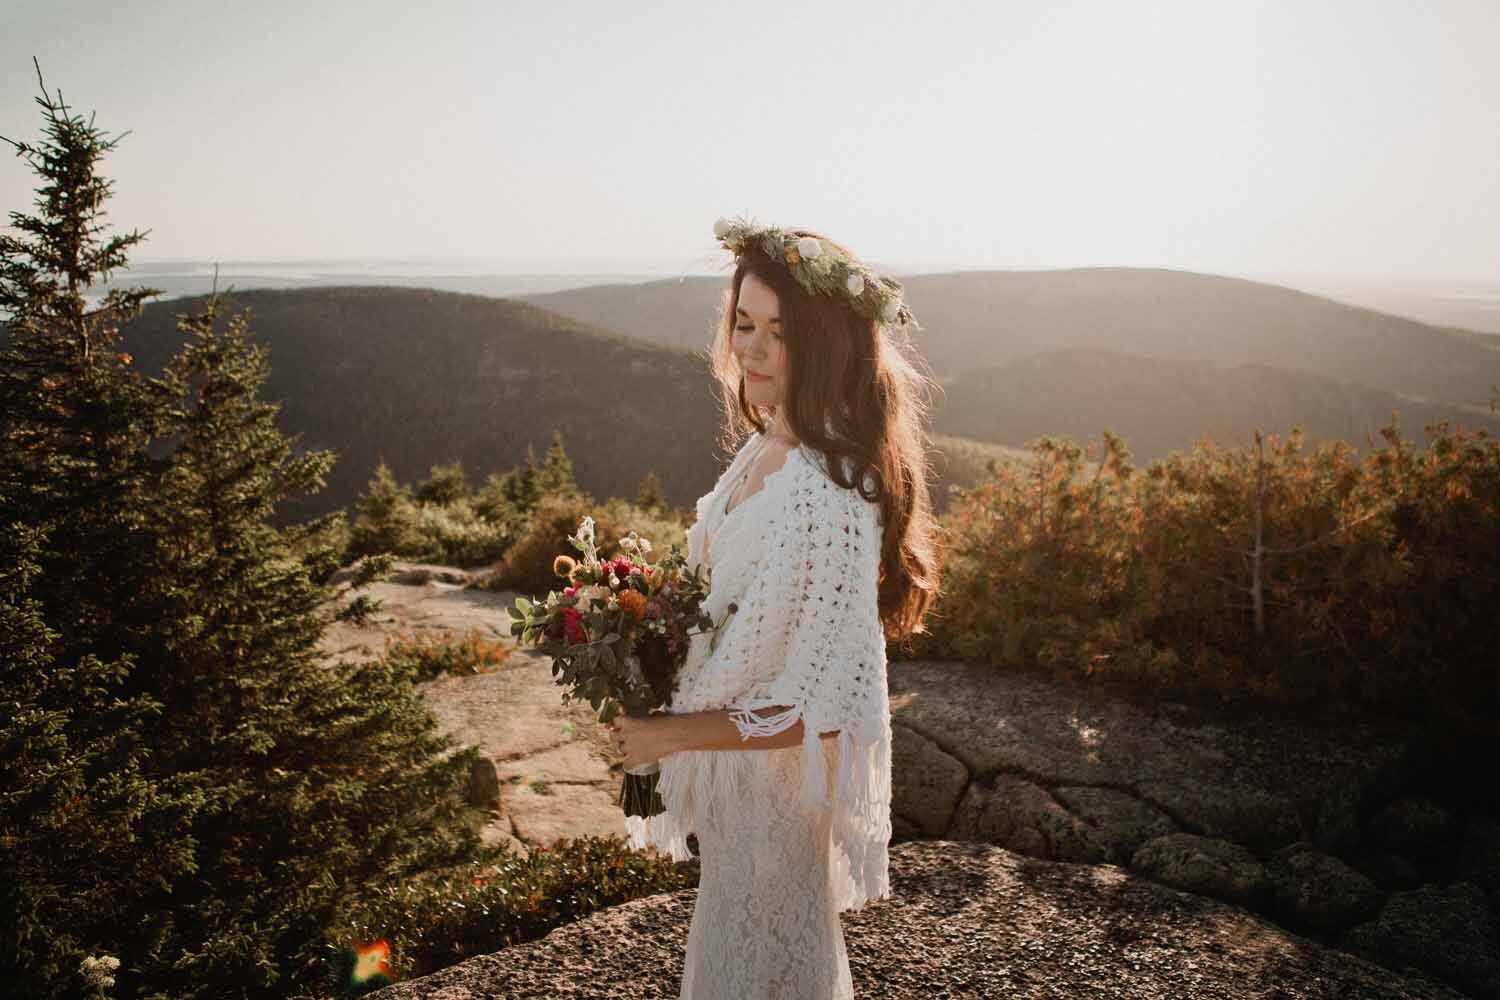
[642, 740]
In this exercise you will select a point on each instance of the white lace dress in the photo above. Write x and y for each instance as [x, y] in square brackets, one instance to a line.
[766, 922]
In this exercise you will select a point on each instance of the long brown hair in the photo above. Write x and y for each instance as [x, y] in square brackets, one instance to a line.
[853, 393]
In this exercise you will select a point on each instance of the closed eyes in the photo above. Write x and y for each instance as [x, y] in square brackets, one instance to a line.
[751, 329]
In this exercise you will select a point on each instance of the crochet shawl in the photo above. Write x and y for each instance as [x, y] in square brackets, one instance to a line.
[804, 574]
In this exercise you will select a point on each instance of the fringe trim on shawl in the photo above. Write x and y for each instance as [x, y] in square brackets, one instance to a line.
[861, 800]
[692, 783]
[862, 823]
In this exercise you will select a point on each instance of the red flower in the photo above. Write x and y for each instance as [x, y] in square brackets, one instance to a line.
[622, 567]
[573, 627]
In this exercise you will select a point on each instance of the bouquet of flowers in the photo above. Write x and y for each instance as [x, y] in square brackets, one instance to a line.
[617, 635]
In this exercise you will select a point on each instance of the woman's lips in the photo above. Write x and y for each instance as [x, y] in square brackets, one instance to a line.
[757, 378]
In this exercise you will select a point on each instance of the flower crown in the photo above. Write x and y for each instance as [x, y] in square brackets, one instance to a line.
[820, 267]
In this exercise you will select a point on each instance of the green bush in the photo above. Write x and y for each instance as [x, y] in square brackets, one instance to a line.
[444, 484]
[437, 919]
[454, 535]
[448, 529]
[1248, 573]
[527, 565]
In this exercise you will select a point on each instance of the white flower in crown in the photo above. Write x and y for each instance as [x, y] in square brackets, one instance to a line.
[891, 311]
[855, 284]
[808, 247]
[722, 228]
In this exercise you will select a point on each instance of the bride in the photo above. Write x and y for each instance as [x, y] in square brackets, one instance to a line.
[817, 542]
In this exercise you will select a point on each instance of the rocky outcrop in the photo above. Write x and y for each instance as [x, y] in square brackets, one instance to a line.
[1325, 825]
[927, 785]
[1025, 817]
[965, 921]
[1202, 865]
[1311, 889]
[1444, 930]
[1413, 825]
[1121, 820]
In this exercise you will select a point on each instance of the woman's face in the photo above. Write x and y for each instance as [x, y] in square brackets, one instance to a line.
[757, 343]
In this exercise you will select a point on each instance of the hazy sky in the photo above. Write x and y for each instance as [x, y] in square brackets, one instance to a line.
[1340, 137]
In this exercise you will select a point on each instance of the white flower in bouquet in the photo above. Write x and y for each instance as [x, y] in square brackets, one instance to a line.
[808, 247]
[855, 284]
[584, 540]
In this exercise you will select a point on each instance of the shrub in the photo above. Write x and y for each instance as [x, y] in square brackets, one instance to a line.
[423, 656]
[438, 919]
[454, 535]
[1034, 562]
[1258, 572]
[444, 485]
[527, 565]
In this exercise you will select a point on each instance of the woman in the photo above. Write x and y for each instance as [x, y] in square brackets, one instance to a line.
[818, 544]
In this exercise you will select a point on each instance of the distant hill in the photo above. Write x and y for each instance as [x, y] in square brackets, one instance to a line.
[674, 312]
[980, 319]
[1159, 405]
[421, 377]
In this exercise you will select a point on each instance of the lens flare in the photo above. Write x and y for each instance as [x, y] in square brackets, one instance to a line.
[371, 960]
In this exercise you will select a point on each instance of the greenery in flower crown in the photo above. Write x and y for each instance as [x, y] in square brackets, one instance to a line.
[820, 267]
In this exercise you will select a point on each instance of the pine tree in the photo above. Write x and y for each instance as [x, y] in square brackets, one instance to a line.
[650, 495]
[385, 519]
[444, 485]
[70, 763]
[74, 506]
[334, 767]
[556, 478]
[76, 417]
[527, 490]
[200, 791]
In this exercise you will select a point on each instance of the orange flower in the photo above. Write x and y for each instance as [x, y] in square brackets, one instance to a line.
[634, 603]
[792, 256]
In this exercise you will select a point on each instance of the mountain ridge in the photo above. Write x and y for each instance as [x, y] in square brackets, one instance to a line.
[420, 376]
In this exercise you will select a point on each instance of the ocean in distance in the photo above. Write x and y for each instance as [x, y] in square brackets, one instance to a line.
[1470, 306]
[183, 277]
